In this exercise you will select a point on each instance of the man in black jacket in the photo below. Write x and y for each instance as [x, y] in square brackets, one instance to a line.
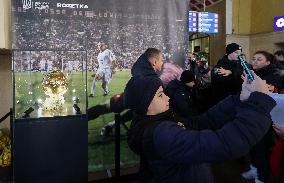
[148, 64]
[226, 76]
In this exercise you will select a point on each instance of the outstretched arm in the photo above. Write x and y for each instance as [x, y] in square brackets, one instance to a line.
[225, 110]
[234, 139]
[249, 124]
[97, 110]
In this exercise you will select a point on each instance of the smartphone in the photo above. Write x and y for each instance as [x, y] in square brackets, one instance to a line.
[246, 68]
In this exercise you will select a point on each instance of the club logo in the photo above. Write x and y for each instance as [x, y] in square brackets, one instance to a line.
[280, 22]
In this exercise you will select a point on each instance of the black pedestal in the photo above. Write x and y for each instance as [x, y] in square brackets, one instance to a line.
[51, 150]
[6, 173]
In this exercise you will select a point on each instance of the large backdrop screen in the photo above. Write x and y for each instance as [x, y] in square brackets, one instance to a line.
[65, 34]
[128, 26]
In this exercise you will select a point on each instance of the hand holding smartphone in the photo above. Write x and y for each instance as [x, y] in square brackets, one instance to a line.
[249, 86]
[246, 68]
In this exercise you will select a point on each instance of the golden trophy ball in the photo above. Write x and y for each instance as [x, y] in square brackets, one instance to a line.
[55, 83]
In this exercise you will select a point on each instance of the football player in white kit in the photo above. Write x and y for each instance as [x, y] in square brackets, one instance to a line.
[104, 71]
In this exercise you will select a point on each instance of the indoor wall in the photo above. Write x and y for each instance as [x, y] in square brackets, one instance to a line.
[271, 41]
[241, 16]
[253, 25]
[6, 88]
[5, 61]
[263, 13]
[218, 41]
[5, 24]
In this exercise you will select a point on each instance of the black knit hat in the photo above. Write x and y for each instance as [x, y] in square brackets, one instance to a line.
[139, 93]
[230, 48]
[187, 76]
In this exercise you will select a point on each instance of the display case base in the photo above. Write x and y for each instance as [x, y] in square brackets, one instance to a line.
[51, 149]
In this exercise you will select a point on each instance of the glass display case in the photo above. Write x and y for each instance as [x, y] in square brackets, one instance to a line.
[50, 116]
[49, 83]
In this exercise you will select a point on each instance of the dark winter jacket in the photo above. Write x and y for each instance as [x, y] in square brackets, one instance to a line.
[181, 98]
[173, 153]
[280, 67]
[142, 67]
[223, 86]
[270, 74]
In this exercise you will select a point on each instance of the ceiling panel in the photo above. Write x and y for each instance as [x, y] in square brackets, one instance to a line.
[196, 5]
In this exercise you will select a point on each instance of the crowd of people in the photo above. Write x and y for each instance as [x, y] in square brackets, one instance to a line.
[166, 122]
[171, 110]
[167, 143]
[226, 80]
[46, 61]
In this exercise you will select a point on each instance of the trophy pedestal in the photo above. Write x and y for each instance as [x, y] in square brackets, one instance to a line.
[51, 149]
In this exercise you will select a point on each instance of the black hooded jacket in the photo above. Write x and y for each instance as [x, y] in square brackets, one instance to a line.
[280, 66]
[223, 86]
[181, 98]
[142, 67]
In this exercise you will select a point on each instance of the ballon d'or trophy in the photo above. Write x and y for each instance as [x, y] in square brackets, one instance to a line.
[54, 85]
